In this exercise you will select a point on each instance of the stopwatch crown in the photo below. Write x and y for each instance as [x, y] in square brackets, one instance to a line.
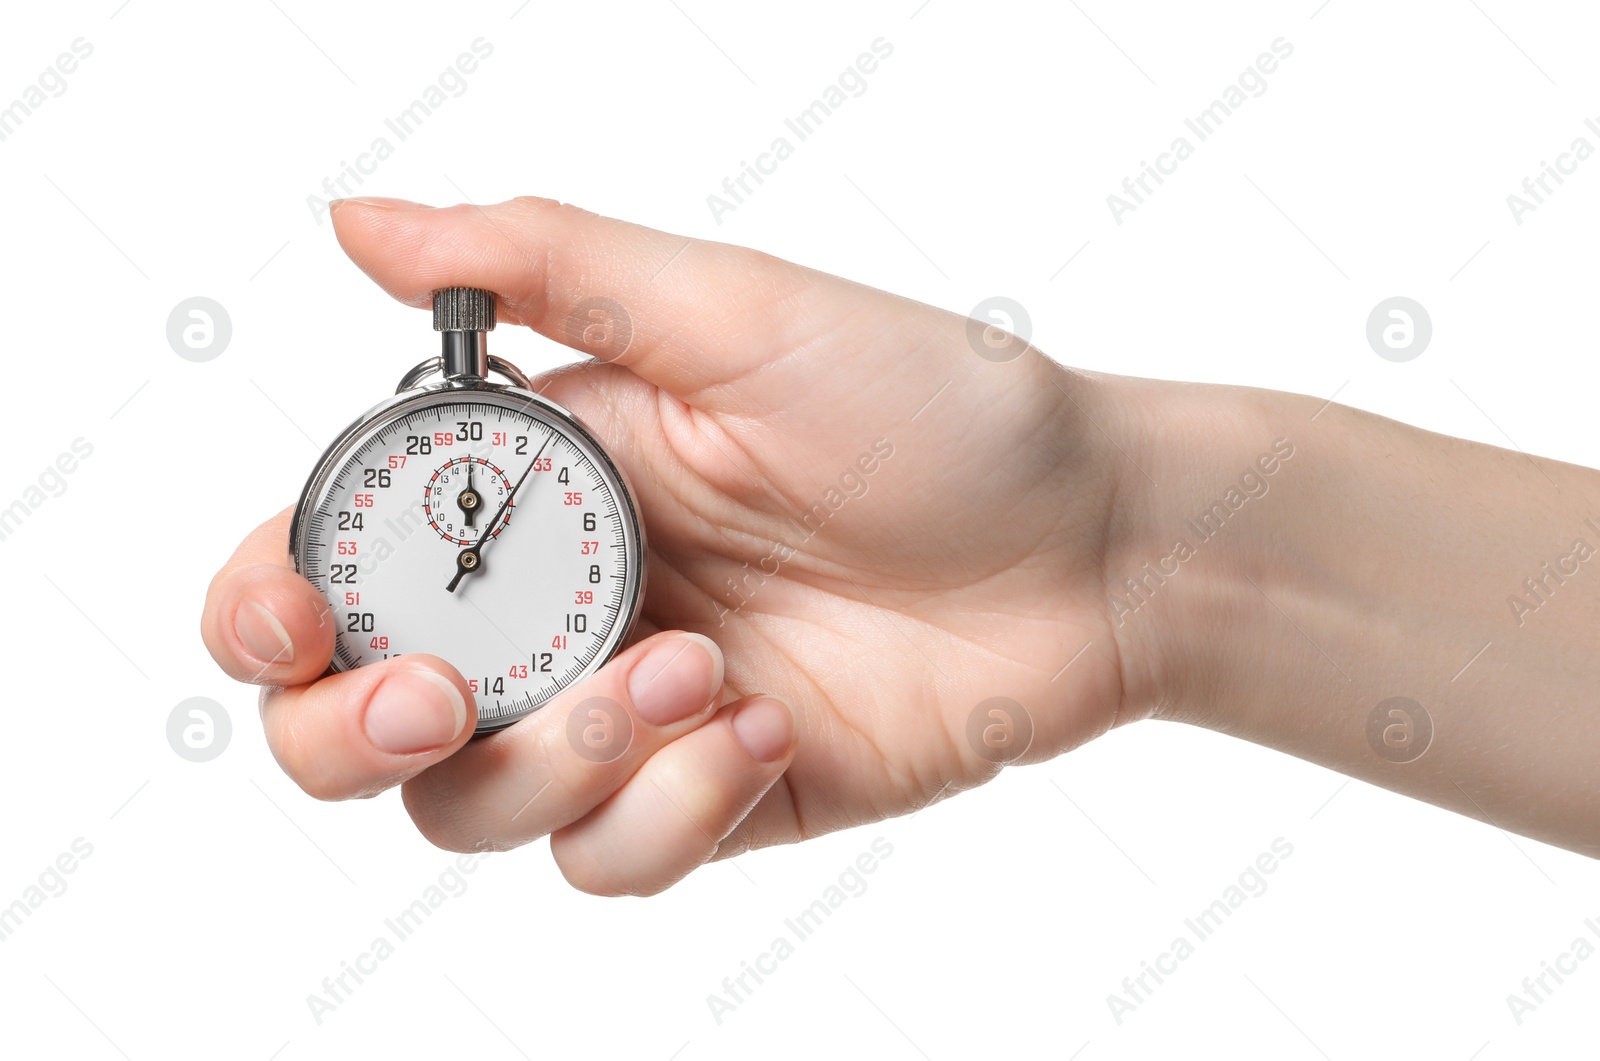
[463, 309]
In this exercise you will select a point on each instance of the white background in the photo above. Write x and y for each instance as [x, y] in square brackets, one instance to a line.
[218, 896]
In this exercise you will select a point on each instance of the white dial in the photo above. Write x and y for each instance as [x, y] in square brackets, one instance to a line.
[480, 524]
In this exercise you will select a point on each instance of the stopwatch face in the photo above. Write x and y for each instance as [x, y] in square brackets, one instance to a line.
[480, 524]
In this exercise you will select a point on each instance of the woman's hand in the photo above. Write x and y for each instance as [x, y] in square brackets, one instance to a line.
[881, 528]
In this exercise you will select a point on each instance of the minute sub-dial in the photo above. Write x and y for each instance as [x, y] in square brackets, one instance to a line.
[461, 495]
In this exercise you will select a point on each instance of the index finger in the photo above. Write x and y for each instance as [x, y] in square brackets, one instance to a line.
[263, 623]
[688, 315]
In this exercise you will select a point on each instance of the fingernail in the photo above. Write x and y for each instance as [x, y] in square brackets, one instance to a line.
[261, 634]
[765, 727]
[383, 203]
[675, 679]
[414, 711]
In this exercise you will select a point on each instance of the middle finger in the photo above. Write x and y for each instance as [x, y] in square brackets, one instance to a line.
[563, 760]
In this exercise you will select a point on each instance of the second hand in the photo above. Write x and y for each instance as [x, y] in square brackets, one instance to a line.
[471, 558]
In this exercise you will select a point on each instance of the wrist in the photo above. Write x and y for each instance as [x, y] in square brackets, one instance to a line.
[1195, 540]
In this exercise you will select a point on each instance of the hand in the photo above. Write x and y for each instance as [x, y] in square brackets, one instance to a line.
[879, 528]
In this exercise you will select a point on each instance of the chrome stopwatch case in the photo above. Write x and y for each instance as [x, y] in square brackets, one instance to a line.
[475, 521]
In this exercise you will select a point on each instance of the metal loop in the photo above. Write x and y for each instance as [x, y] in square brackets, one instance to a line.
[435, 364]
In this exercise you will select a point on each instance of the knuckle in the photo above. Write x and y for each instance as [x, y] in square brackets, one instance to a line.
[541, 208]
[322, 785]
[585, 873]
[439, 830]
[575, 779]
[449, 822]
[292, 749]
[689, 795]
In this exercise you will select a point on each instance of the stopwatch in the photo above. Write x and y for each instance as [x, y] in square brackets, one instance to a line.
[476, 521]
